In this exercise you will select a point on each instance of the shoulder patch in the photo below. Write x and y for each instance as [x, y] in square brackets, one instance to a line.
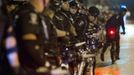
[33, 18]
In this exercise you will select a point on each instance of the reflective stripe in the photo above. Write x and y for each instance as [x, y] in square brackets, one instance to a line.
[45, 27]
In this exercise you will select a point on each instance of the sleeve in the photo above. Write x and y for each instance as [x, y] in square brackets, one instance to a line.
[121, 22]
[26, 24]
[10, 43]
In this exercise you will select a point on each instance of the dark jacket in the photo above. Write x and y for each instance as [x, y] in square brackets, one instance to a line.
[80, 24]
[116, 20]
[62, 21]
[31, 52]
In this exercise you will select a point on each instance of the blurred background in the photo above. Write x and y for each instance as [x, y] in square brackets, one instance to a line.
[112, 4]
[127, 45]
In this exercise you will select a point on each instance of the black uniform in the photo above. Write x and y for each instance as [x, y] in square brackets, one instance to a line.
[62, 21]
[80, 23]
[32, 53]
[116, 21]
[51, 46]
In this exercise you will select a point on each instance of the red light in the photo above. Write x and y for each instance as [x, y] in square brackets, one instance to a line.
[112, 32]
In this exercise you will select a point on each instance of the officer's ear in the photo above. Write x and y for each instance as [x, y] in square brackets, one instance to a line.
[29, 36]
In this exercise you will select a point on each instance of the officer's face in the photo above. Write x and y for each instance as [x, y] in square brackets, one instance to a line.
[73, 10]
[91, 18]
[66, 6]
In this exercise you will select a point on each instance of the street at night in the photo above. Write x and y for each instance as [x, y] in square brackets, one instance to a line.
[66, 37]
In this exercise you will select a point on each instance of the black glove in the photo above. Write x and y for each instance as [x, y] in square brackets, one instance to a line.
[123, 33]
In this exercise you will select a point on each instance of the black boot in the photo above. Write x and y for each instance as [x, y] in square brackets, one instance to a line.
[102, 57]
[117, 57]
[113, 61]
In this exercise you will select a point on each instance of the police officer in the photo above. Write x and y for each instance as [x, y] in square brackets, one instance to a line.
[116, 21]
[33, 36]
[92, 28]
[93, 14]
[78, 19]
[93, 19]
[8, 42]
[73, 11]
[62, 21]
[54, 32]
